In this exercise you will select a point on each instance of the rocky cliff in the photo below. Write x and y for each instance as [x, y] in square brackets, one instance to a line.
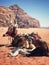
[15, 15]
[6, 16]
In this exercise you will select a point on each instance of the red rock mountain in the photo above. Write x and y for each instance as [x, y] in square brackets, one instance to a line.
[6, 16]
[15, 15]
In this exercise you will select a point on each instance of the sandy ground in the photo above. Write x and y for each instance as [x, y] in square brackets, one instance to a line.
[20, 60]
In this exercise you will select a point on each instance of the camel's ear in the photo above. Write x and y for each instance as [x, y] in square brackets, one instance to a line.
[3, 35]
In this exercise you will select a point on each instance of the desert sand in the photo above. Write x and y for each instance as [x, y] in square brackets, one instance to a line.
[20, 60]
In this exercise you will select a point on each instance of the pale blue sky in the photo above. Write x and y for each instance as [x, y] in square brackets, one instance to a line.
[38, 9]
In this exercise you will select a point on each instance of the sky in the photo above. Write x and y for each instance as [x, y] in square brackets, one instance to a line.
[38, 9]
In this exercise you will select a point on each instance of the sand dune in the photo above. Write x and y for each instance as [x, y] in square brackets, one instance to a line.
[20, 60]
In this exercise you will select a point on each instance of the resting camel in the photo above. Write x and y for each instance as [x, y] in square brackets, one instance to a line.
[27, 45]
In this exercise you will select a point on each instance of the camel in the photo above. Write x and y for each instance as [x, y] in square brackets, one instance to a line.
[26, 44]
[29, 48]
